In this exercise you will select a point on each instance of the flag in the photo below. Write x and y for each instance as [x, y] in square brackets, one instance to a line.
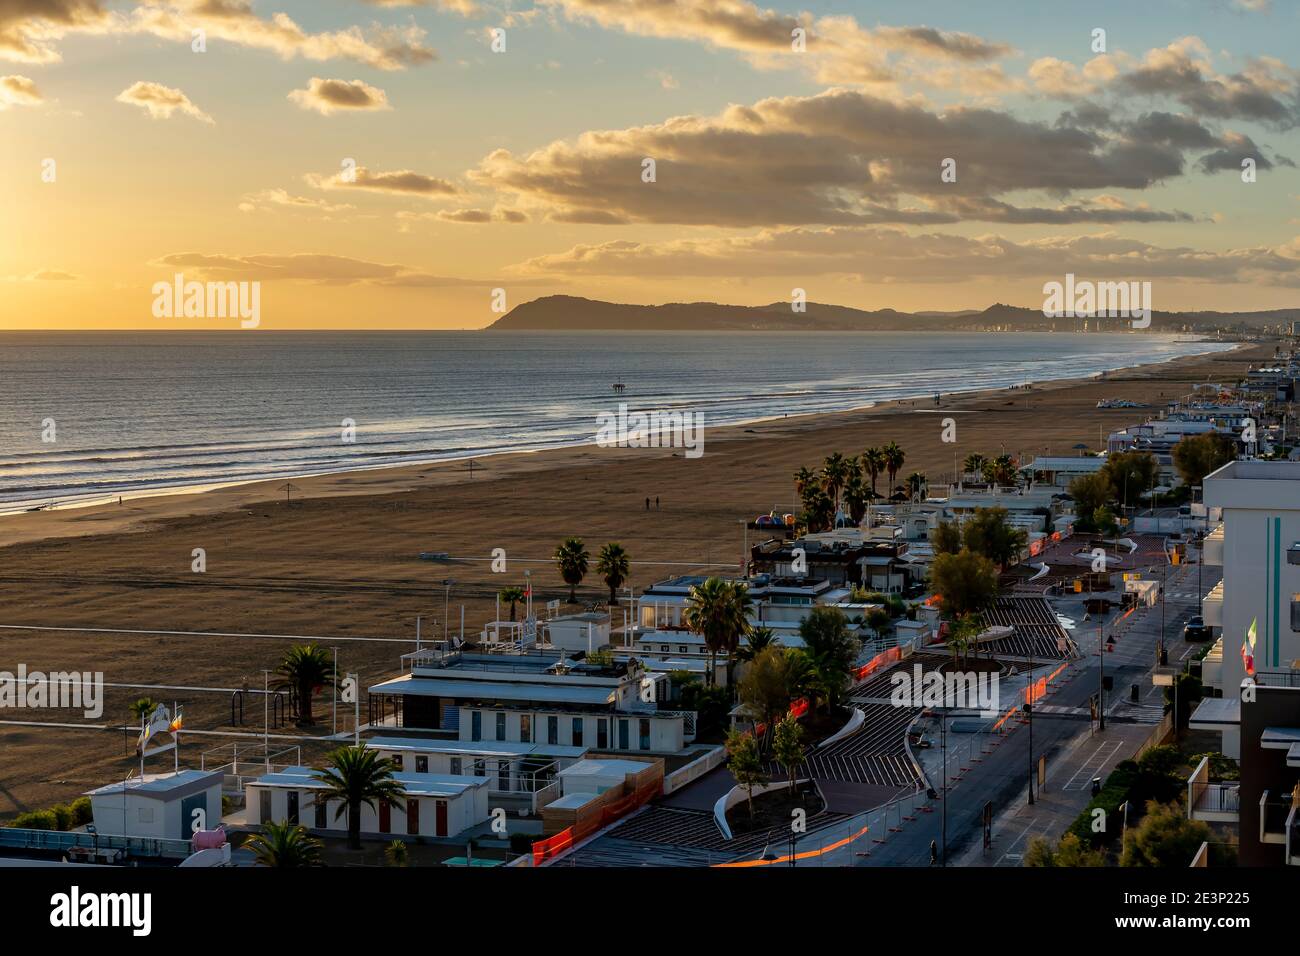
[1248, 648]
[176, 724]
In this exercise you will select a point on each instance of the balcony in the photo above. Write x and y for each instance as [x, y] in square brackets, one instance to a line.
[1213, 605]
[1212, 802]
[1276, 817]
[1212, 548]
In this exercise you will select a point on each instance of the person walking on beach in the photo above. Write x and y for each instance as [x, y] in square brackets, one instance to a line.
[656, 502]
[647, 504]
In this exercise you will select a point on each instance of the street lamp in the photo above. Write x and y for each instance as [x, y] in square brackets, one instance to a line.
[446, 609]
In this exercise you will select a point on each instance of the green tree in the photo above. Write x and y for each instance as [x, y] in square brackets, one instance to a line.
[831, 651]
[878, 620]
[945, 538]
[1070, 852]
[571, 558]
[1132, 472]
[759, 640]
[856, 496]
[613, 566]
[512, 595]
[1198, 455]
[284, 844]
[1001, 470]
[745, 764]
[1091, 493]
[967, 582]
[988, 533]
[974, 464]
[356, 777]
[397, 854]
[787, 746]
[718, 611]
[774, 678]
[818, 509]
[1164, 838]
[835, 472]
[305, 668]
[803, 479]
[873, 463]
[142, 707]
[894, 460]
[916, 484]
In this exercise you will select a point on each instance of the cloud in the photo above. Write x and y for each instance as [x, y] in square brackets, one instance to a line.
[465, 8]
[469, 216]
[29, 30]
[398, 182]
[839, 157]
[18, 91]
[317, 268]
[873, 254]
[282, 198]
[159, 101]
[330, 96]
[837, 50]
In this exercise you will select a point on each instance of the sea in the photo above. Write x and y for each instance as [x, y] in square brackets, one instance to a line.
[90, 416]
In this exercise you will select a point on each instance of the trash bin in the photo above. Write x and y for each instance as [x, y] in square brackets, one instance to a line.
[1134, 694]
[1096, 786]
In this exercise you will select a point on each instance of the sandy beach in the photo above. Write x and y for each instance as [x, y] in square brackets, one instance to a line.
[341, 561]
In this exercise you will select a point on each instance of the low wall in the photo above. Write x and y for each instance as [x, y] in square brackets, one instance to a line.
[738, 793]
[695, 769]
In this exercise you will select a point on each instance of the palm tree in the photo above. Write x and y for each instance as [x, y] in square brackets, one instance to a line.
[513, 594]
[142, 708]
[613, 565]
[819, 510]
[873, 461]
[1004, 470]
[894, 458]
[305, 669]
[571, 558]
[916, 484]
[834, 472]
[718, 611]
[357, 776]
[855, 496]
[397, 854]
[974, 464]
[285, 844]
[802, 479]
[759, 640]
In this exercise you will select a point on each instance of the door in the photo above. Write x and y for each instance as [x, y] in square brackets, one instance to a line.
[293, 807]
[440, 817]
[385, 817]
[412, 817]
[622, 735]
[264, 806]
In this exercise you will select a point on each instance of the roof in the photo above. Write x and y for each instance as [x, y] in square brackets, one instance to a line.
[603, 768]
[1214, 713]
[571, 801]
[416, 686]
[1279, 738]
[477, 748]
[415, 784]
[163, 786]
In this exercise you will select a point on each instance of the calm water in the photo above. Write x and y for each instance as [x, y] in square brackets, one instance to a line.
[143, 411]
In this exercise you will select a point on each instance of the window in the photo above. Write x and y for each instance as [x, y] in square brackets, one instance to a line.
[501, 725]
[397, 761]
[1293, 554]
[602, 733]
[322, 815]
[503, 775]
[145, 815]
[622, 735]
[421, 764]
[645, 734]
[476, 725]
[577, 731]
[526, 728]
[665, 648]
[682, 649]
[455, 766]
[1295, 612]
[552, 730]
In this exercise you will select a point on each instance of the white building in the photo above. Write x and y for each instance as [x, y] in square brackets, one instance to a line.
[160, 806]
[434, 805]
[1259, 549]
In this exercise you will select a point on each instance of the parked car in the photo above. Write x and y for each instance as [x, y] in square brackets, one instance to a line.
[1197, 630]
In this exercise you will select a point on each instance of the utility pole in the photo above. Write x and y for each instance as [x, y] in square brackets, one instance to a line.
[1101, 686]
[335, 706]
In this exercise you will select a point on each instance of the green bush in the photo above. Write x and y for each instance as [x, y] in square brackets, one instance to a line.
[63, 814]
[81, 812]
[36, 820]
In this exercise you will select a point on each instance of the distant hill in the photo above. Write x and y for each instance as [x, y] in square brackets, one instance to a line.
[573, 313]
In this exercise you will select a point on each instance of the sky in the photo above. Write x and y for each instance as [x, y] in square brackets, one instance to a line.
[423, 164]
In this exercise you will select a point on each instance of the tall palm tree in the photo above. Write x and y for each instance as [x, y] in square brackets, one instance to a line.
[834, 473]
[855, 496]
[873, 461]
[513, 594]
[819, 510]
[142, 708]
[358, 776]
[612, 565]
[718, 611]
[759, 640]
[974, 464]
[802, 479]
[305, 668]
[571, 558]
[285, 844]
[894, 458]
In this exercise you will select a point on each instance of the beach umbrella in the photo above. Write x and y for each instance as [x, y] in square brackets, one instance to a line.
[1081, 447]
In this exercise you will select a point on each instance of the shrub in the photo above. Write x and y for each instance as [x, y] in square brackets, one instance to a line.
[36, 820]
[63, 815]
[81, 812]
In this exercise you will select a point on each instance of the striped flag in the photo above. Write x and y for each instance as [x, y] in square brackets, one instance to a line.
[1248, 648]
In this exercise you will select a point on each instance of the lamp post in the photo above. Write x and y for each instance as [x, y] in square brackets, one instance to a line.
[446, 608]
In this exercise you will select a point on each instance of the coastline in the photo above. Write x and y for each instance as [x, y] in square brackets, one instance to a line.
[330, 482]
